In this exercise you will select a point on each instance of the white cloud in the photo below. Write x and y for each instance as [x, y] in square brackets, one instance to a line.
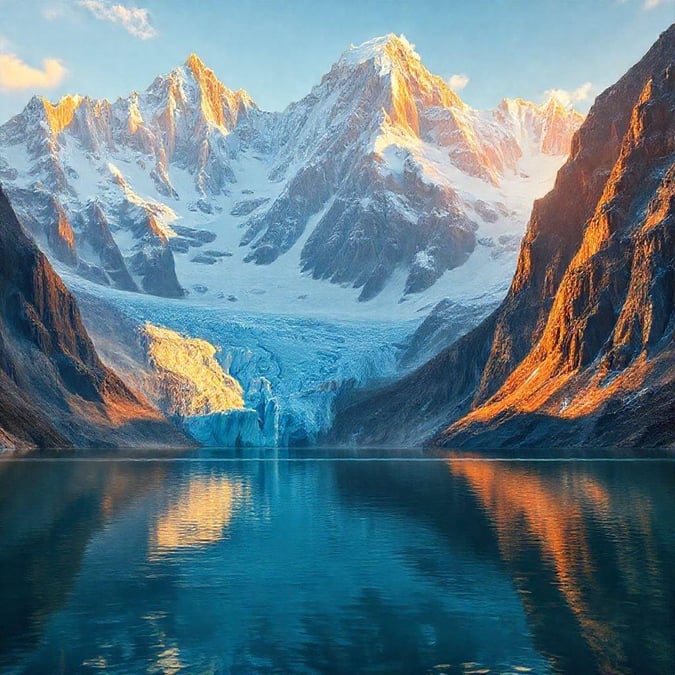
[569, 97]
[458, 81]
[53, 12]
[651, 4]
[135, 20]
[17, 74]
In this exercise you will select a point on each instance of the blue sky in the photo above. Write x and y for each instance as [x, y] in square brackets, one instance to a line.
[278, 50]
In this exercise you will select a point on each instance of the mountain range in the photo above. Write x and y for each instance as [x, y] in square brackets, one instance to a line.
[380, 178]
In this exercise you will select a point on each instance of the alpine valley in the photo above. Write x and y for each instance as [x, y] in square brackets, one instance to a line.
[343, 270]
[376, 382]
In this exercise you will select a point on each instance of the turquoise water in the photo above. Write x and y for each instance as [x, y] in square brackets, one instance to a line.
[269, 562]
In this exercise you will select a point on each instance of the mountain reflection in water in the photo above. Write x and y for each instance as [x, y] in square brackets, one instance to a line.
[450, 566]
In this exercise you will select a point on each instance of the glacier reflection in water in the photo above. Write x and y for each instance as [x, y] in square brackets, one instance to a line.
[265, 564]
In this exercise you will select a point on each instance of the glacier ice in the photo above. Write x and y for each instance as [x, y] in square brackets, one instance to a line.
[290, 369]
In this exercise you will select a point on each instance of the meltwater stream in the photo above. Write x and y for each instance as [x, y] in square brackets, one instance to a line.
[272, 562]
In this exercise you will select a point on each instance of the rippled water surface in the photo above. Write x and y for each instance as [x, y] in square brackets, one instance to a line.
[270, 563]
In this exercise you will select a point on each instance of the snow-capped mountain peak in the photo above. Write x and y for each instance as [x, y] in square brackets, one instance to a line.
[193, 89]
[394, 59]
[384, 50]
[546, 127]
[220, 106]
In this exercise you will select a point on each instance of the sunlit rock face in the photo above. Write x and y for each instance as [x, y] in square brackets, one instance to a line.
[604, 335]
[380, 172]
[54, 390]
[581, 349]
[193, 382]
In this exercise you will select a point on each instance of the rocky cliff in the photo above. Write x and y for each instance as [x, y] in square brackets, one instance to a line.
[55, 391]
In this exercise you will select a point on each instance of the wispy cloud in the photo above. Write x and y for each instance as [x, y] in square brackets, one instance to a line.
[16, 74]
[53, 12]
[135, 20]
[652, 4]
[458, 81]
[568, 97]
[649, 4]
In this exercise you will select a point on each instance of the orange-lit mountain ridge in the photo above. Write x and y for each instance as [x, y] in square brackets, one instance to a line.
[54, 390]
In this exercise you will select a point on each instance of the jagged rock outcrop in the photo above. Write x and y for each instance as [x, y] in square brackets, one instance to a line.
[55, 391]
[96, 232]
[581, 350]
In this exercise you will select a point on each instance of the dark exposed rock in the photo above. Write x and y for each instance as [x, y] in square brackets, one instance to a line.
[98, 235]
[246, 207]
[192, 234]
[205, 259]
[488, 214]
[217, 254]
[156, 267]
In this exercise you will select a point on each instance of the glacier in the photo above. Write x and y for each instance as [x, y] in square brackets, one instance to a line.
[291, 368]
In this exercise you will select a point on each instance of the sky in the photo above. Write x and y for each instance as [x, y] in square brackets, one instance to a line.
[278, 49]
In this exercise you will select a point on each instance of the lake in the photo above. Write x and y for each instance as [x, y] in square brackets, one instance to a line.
[270, 561]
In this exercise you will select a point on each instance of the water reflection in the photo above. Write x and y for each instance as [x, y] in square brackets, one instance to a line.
[245, 566]
[199, 515]
[48, 514]
[597, 533]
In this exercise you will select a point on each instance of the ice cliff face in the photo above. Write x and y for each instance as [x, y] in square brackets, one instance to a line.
[380, 179]
[208, 402]
[281, 374]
